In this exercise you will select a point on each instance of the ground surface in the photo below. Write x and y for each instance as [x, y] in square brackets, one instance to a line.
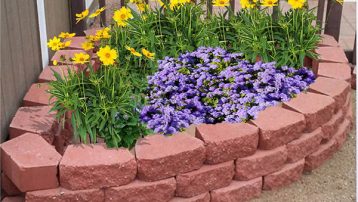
[335, 181]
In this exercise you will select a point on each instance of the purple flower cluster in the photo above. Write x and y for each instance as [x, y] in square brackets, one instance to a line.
[211, 85]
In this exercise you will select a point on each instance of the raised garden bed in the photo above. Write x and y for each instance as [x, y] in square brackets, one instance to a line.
[221, 162]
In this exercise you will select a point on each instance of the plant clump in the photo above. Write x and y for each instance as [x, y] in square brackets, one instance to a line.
[211, 85]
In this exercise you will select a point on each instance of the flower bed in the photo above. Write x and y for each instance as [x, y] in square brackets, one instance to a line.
[217, 162]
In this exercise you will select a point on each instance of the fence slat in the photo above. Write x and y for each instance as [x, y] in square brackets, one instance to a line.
[77, 6]
[333, 19]
[102, 3]
[320, 13]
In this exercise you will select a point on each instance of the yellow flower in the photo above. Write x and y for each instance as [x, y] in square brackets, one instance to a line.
[142, 6]
[81, 58]
[174, 4]
[54, 62]
[122, 23]
[221, 3]
[340, 1]
[269, 3]
[246, 4]
[97, 12]
[66, 35]
[296, 3]
[161, 3]
[107, 55]
[103, 33]
[81, 16]
[133, 51]
[54, 44]
[65, 44]
[87, 45]
[93, 38]
[122, 15]
[147, 54]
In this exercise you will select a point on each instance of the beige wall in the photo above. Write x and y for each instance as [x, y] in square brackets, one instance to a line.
[20, 55]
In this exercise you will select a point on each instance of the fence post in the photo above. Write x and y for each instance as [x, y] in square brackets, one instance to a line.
[102, 3]
[320, 13]
[333, 19]
[77, 6]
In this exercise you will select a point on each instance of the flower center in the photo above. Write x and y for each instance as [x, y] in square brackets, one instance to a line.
[108, 55]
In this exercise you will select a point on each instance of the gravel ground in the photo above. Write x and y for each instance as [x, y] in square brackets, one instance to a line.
[334, 181]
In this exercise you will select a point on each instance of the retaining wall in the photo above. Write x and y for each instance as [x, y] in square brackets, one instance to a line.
[221, 162]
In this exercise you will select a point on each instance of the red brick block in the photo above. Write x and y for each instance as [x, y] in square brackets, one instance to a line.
[8, 187]
[331, 54]
[200, 198]
[205, 179]
[329, 128]
[30, 162]
[317, 158]
[328, 40]
[76, 42]
[63, 57]
[337, 89]
[305, 145]
[238, 191]
[225, 141]
[92, 31]
[38, 95]
[263, 162]
[354, 79]
[96, 166]
[317, 109]
[341, 135]
[161, 157]
[140, 191]
[47, 74]
[34, 120]
[13, 199]
[287, 175]
[278, 126]
[340, 71]
[63, 195]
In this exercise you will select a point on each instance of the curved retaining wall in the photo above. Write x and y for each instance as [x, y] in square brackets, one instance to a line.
[221, 162]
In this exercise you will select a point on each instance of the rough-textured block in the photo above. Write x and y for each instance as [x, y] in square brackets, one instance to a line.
[331, 54]
[328, 40]
[8, 187]
[96, 166]
[317, 109]
[340, 71]
[329, 128]
[278, 126]
[337, 89]
[64, 195]
[287, 175]
[161, 157]
[38, 95]
[140, 191]
[30, 162]
[200, 198]
[317, 158]
[47, 74]
[76, 42]
[92, 31]
[225, 141]
[263, 162]
[13, 199]
[238, 191]
[205, 179]
[63, 57]
[305, 145]
[341, 135]
[34, 120]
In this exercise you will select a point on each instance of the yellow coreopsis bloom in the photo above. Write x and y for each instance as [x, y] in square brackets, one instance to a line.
[107, 55]
[54, 62]
[103, 33]
[65, 44]
[54, 43]
[81, 16]
[221, 3]
[148, 54]
[66, 35]
[246, 4]
[87, 45]
[133, 51]
[340, 1]
[142, 6]
[97, 12]
[122, 23]
[161, 3]
[296, 3]
[81, 58]
[122, 15]
[93, 38]
[173, 4]
[269, 3]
